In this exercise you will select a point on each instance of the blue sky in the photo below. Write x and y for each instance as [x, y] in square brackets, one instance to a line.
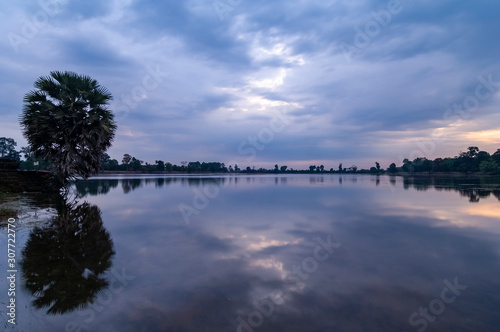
[264, 82]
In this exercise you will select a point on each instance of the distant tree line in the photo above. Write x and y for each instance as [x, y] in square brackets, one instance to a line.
[471, 161]
[130, 163]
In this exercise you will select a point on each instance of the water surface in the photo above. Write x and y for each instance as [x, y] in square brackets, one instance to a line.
[264, 253]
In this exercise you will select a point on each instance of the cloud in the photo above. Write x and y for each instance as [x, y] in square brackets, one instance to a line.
[224, 77]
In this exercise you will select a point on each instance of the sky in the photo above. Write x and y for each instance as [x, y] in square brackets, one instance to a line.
[259, 83]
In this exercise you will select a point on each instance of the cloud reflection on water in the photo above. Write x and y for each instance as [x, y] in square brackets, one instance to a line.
[400, 240]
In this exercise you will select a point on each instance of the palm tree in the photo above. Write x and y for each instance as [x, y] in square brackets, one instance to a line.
[66, 121]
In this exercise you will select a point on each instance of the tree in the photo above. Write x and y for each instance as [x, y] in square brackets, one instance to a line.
[27, 153]
[136, 164]
[126, 160]
[482, 156]
[160, 165]
[30, 162]
[496, 156]
[392, 168]
[407, 166]
[194, 166]
[105, 158]
[422, 164]
[66, 121]
[340, 168]
[448, 165]
[283, 168]
[489, 167]
[377, 165]
[7, 148]
[109, 164]
[312, 168]
[467, 161]
[470, 153]
[149, 168]
[113, 165]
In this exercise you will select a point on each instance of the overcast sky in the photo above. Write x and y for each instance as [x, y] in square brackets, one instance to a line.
[262, 82]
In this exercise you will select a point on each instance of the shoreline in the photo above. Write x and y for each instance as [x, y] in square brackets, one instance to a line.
[401, 174]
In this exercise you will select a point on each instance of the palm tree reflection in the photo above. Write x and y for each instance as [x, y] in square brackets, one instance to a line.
[63, 262]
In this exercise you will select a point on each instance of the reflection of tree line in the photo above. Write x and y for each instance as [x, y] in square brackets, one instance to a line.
[64, 261]
[473, 188]
[103, 186]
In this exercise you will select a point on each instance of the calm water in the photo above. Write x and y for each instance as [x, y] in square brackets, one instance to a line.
[261, 253]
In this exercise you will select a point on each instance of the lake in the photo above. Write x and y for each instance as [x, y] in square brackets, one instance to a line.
[324, 252]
